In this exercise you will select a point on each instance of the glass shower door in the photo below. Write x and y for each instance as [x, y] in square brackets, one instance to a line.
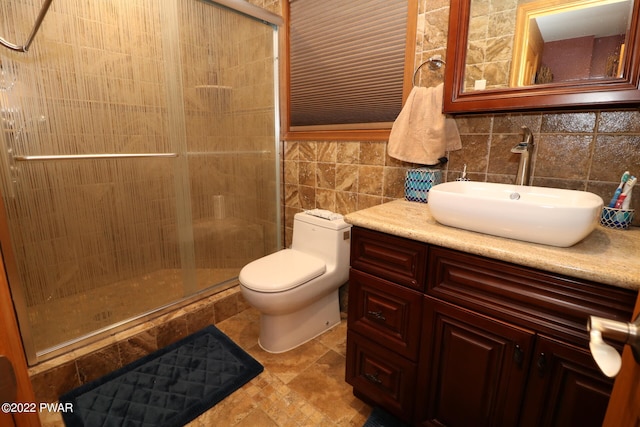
[88, 238]
[140, 161]
[230, 110]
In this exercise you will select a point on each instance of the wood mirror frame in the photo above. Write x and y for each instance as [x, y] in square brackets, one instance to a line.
[581, 94]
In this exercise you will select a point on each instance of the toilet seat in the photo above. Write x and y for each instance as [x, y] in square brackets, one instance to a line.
[281, 271]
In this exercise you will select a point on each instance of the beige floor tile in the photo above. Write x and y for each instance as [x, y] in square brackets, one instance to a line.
[336, 338]
[323, 386]
[243, 328]
[304, 387]
[290, 364]
[257, 419]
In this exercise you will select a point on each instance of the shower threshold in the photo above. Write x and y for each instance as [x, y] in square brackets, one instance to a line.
[67, 323]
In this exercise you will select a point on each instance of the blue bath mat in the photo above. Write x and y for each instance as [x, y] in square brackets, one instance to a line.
[381, 418]
[169, 387]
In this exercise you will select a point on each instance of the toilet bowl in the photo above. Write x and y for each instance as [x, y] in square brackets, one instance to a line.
[296, 290]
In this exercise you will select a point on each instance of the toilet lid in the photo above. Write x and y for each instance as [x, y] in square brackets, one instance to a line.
[281, 271]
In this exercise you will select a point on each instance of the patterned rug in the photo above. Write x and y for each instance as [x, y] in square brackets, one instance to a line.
[167, 388]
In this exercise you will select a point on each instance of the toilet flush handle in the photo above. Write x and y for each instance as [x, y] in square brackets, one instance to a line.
[607, 358]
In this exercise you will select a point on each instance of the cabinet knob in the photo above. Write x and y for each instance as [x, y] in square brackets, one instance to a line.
[377, 315]
[518, 355]
[542, 363]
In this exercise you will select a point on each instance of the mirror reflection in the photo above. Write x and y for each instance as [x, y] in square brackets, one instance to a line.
[514, 43]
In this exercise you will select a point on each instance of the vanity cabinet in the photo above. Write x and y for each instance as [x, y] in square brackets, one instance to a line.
[480, 371]
[386, 284]
[440, 337]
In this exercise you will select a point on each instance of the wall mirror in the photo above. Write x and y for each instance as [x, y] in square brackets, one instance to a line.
[528, 55]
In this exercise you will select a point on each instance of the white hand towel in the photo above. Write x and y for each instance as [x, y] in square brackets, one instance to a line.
[422, 134]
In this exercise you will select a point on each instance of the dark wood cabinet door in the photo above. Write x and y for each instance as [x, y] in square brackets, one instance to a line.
[473, 368]
[566, 388]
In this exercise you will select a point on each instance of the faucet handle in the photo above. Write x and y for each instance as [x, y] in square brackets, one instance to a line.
[527, 136]
[520, 148]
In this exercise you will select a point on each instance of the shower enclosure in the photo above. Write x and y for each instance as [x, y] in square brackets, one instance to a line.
[139, 159]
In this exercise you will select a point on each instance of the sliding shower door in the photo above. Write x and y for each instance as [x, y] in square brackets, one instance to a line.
[231, 138]
[139, 160]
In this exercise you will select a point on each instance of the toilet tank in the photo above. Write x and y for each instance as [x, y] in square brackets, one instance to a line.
[327, 239]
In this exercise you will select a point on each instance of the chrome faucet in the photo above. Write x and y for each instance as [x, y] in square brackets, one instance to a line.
[525, 149]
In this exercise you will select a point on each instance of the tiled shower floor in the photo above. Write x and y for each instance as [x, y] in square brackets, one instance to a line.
[66, 318]
[302, 387]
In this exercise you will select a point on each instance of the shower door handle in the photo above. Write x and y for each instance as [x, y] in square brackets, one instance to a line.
[12, 169]
[92, 156]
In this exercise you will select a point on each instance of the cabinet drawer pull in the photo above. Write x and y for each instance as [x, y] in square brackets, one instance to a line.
[518, 355]
[377, 314]
[542, 363]
[373, 378]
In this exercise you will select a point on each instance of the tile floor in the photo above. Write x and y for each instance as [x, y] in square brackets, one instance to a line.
[302, 387]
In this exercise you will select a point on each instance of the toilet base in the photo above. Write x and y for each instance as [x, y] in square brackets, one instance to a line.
[286, 332]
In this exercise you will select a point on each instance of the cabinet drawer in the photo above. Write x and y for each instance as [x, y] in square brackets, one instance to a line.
[387, 313]
[397, 259]
[380, 375]
[545, 302]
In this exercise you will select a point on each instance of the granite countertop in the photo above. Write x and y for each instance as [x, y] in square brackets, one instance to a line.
[606, 256]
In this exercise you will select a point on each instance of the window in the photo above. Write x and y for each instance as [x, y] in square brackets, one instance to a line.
[350, 66]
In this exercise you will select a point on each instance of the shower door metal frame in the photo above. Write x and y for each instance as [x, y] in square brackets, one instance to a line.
[19, 301]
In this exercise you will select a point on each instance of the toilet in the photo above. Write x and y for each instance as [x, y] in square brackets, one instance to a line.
[296, 290]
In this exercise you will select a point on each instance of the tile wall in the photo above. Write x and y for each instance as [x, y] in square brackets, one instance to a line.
[586, 150]
[491, 35]
[574, 150]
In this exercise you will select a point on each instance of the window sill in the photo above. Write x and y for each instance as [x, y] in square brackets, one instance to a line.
[339, 135]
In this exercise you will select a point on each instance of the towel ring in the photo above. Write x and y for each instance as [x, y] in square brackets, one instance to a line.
[435, 63]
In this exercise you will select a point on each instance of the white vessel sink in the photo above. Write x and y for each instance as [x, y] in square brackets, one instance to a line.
[550, 216]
